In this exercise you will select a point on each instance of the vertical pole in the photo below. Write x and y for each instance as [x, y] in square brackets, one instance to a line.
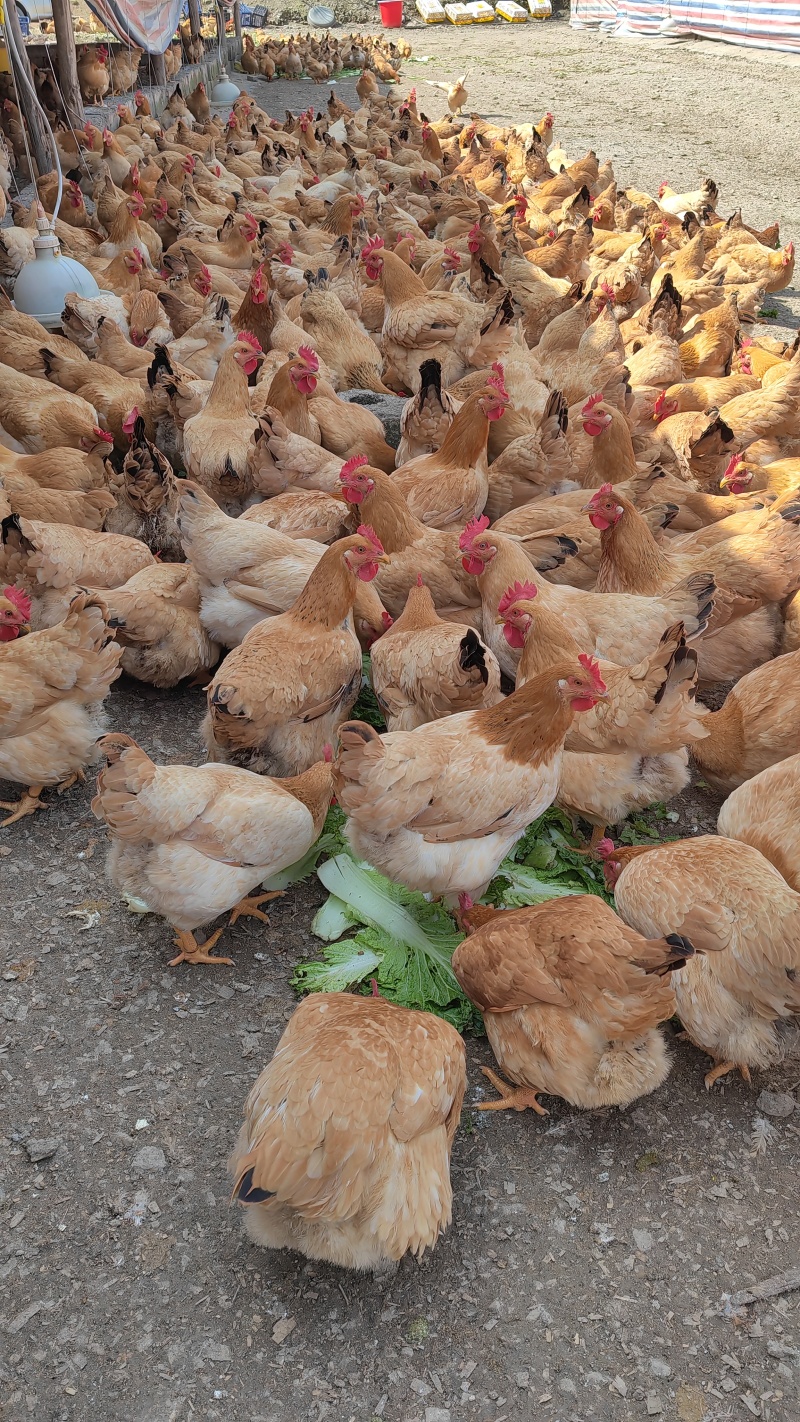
[237, 19]
[67, 63]
[159, 69]
[195, 19]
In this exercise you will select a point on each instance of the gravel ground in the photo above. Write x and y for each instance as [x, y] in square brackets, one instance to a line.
[586, 1273]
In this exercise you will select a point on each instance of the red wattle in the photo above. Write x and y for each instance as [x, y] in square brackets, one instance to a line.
[472, 565]
[367, 572]
[513, 635]
[598, 521]
[583, 703]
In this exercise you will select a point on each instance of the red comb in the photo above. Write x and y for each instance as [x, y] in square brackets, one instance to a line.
[20, 600]
[309, 356]
[516, 593]
[659, 405]
[473, 528]
[420, 583]
[327, 753]
[604, 489]
[371, 246]
[592, 666]
[733, 462]
[498, 379]
[103, 434]
[250, 339]
[352, 464]
[605, 848]
[371, 536]
[591, 402]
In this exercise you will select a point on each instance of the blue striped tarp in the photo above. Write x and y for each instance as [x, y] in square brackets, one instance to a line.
[763, 24]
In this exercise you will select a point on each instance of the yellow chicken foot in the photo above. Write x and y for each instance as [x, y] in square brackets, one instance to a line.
[248, 906]
[26, 806]
[722, 1069]
[194, 952]
[517, 1098]
[598, 833]
[71, 780]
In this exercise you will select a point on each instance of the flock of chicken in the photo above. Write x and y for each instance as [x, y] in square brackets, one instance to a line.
[594, 508]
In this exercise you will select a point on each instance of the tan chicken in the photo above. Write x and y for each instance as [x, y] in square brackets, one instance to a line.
[447, 327]
[364, 1177]
[155, 617]
[190, 842]
[450, 487]
[755, 727]
[217, 441]
[31, 501]
[763, 566]
[52, 687]
[351, 356]
[737, 910]
[765, 812]
[572, 1000]
[607, 773]
[438, 808]
[278, 698]
[249, 571]
[620, 627]
[61, 468]
[48, 560]
[427, 416]
[424, 668]
[35, 416]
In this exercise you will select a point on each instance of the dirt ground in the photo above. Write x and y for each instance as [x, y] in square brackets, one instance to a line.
[587, 1272]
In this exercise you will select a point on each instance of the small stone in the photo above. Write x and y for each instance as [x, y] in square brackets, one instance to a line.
[660, 1368]
[419, 1387]
[522, 1379]
[282, 1329]
[567, 1385]
[216, 1352]
[691, 1403]
[654, 1404]
[150, 1158]
[776, 1103]
[437, 1414]
[37, 1150]
[643, 1240]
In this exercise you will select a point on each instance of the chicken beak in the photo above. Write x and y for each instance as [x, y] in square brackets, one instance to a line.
[587, 508]
[24, 629]
[499, 622]
[384, 559]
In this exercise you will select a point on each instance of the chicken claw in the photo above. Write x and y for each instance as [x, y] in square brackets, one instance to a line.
[515, 1097]
[194, 952]
[25, 806]
[71, 780]
[248, 906]
[722, 1069]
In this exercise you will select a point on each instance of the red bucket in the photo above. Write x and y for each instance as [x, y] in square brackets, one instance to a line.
[391, 14]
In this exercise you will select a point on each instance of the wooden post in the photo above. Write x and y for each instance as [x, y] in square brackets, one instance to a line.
[237, 19]
[195, 18]
[38, 132]
[159, 69]
[67, 63]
